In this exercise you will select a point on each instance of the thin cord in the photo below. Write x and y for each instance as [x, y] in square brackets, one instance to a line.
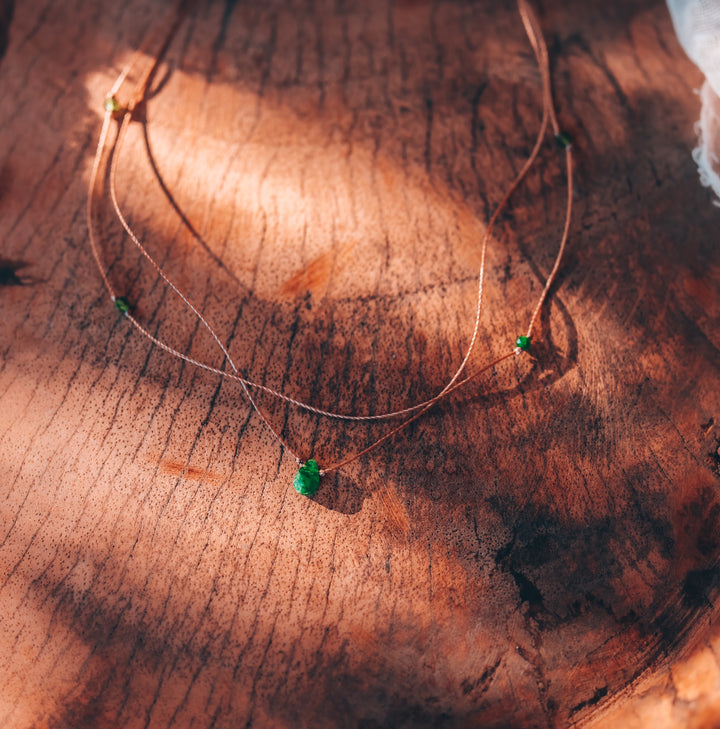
[532, 28]
[91, 198]
[537, 42]
[94, 173]
[563, 243]
[538, 45]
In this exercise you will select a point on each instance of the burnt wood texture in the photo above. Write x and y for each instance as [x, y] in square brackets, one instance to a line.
[539, 550]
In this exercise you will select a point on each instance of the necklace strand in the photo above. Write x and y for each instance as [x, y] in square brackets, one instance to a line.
[125, 115]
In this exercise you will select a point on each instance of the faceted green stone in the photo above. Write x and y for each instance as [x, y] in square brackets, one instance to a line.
[523, 343]
[563, 140]
[111, 104]
[122, 304]
[307, 479]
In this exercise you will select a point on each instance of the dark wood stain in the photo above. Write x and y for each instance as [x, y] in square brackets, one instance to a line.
[191, 473]
[9, 275]
[7, 8]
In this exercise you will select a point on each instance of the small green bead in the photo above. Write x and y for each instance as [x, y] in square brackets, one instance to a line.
[111, 104]
[122, 304]
[307, 479]
[563, 140]
[523, 343]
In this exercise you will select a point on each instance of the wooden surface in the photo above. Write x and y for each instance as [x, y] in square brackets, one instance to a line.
[541, 550]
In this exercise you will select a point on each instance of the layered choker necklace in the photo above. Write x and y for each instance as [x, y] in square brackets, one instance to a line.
[120, 112]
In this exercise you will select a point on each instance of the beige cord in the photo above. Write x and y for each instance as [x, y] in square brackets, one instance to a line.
[456, 381]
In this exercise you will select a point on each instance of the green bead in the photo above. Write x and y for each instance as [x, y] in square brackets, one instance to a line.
[563, 140]
[307, 479]
[523, 343]
[122, 304]
[111, 104]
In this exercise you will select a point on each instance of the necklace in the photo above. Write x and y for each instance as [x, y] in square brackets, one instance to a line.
[307, 477]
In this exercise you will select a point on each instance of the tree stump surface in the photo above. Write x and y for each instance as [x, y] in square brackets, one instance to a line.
[538, 550]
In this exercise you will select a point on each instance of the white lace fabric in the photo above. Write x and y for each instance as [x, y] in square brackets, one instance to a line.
[697, 24]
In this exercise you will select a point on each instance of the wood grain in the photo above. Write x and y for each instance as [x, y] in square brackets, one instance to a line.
[540, 550]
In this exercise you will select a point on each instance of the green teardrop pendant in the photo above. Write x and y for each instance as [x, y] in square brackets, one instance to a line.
[523, 343]
[307, 479]
[563, 140]
[122, 304]
[111, 104]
